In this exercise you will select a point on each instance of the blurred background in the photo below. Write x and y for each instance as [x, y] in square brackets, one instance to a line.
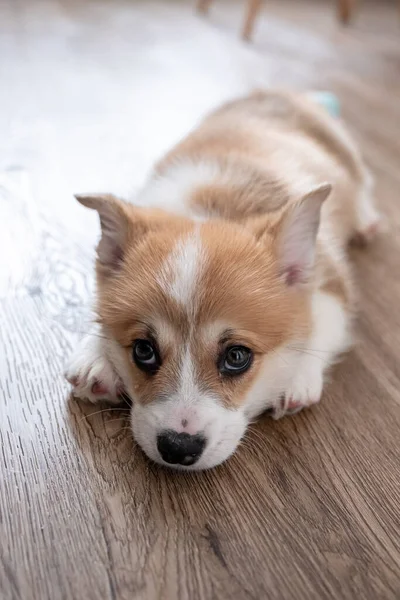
[92, 91]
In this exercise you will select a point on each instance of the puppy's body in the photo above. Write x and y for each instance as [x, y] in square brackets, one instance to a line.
[240, 244]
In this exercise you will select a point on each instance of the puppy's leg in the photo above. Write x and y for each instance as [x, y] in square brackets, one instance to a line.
[91, 373]
[329, 338]
[367, 218]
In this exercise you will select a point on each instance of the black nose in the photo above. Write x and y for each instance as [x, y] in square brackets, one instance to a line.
[180, 448]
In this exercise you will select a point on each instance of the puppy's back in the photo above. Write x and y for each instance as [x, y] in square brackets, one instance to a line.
[255, 154]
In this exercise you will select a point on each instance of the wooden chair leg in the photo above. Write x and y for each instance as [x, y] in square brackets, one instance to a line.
[345, 10]
[203, 6]
[253, 8]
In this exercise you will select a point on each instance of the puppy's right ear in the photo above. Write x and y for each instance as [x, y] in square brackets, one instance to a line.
[118, 228]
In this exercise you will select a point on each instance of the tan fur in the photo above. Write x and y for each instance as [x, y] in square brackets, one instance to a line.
[250, 141]
[250, 137]
[132, 298]
[243, 256]
[244, 135]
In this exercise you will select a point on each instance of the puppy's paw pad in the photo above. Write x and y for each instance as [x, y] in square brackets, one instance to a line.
[100, 389]
[293, 406]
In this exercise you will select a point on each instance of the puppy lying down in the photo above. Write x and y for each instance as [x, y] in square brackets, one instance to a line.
[225, 289]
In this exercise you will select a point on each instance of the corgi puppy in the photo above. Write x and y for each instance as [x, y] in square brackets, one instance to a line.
[224, 289]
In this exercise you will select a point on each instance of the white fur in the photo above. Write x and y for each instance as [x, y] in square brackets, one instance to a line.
[331, 333]
[188, 390]
[188, 409]
[369, 219]
[275, 375]
[182, 269]
[330, 337]
[191, 410]
[294, 374]
[224, 427]
[171, 191]
[89, 365]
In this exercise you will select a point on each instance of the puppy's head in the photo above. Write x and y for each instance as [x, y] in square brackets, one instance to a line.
[203, 316]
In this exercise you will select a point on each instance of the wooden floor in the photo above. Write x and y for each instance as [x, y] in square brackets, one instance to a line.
[309, 508]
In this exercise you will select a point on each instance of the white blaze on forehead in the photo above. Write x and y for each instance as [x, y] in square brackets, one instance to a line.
[182, 269]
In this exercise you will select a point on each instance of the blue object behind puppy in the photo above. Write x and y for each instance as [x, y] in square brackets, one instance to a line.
[329, 101]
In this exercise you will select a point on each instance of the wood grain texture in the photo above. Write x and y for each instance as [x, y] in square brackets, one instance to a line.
[309, 507]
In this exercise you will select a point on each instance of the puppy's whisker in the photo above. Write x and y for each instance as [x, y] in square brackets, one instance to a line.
[313, 354]
[92, 333]
[308, 349]
[254, 432]
[124, 418]
[252, 446]
[126, 399]
[279, 355]
[98, 412]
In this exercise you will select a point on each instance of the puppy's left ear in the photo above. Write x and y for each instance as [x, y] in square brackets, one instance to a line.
[297, 235]
[119, 226]
[293, 234]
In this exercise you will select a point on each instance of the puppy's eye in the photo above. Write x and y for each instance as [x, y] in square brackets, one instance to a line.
[236, 360]
[146, 356]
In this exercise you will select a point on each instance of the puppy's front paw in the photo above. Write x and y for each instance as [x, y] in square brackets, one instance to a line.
[304, 391]
[92, 376]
